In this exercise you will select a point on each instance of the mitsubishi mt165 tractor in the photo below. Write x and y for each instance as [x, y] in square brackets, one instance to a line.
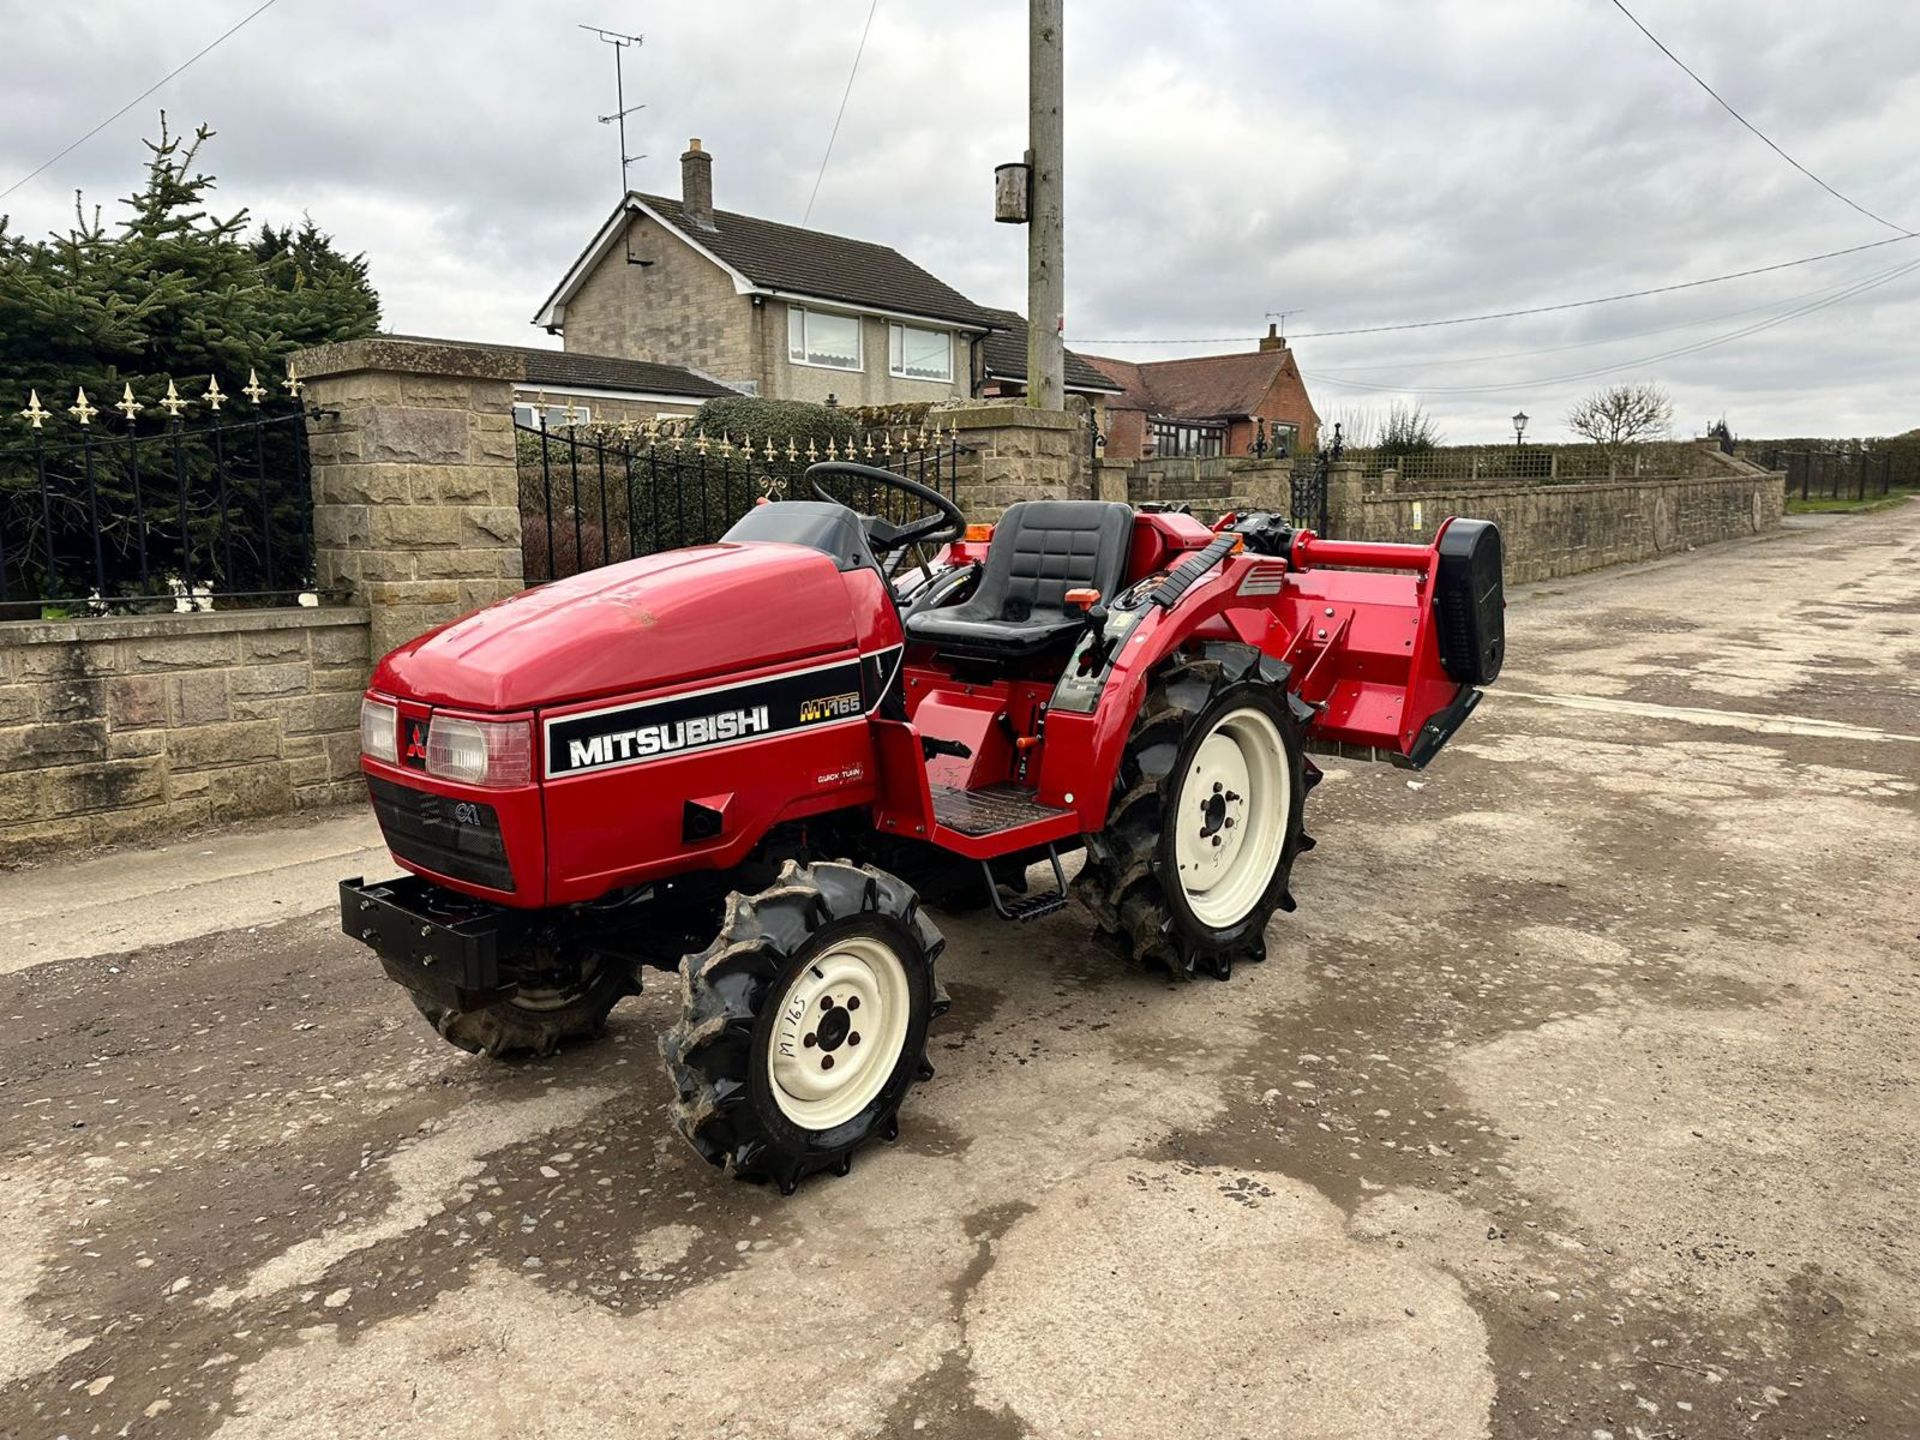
[752, 762]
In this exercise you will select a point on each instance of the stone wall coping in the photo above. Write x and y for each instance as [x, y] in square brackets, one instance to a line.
[1008, 417]
[200, 622]
[1586, 487]
[388, 355]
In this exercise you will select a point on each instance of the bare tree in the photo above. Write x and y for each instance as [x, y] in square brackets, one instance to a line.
[1622, 415]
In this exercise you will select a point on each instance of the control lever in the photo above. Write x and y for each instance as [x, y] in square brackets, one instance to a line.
[1087, 601]
[932, 745]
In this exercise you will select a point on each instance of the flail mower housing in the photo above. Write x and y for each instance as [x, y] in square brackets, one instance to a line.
[752, 761]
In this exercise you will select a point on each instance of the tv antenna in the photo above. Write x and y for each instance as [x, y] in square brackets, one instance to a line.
[619, 42]
[1280, 318]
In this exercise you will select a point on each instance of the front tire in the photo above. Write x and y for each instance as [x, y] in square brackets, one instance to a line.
[804, 1023]
[571, 1004]
[1206, 817]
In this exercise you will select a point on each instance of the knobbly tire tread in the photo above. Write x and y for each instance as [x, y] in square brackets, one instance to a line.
[504, 1030]
[710, 1051]
[1121, 880]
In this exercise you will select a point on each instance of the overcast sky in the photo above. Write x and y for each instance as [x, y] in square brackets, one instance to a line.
[1359, 162]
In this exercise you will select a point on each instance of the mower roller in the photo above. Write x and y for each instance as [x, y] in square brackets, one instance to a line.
[750, 761]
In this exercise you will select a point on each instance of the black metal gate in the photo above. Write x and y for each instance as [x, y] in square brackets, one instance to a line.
[595, 495]
[1307, 509]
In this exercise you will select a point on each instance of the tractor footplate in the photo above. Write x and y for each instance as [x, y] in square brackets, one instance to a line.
[989, 810]
[1028, 907]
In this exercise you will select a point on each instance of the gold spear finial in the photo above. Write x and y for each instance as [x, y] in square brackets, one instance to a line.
[129, 406]
[700, 444]
[832, 454]
[171, 401]
[81, 410]
[35, 411]
[293, 384]
[215, 397]
[869, 448]
[793, 451]
[253, 389]
[771, 452]
[812, 453]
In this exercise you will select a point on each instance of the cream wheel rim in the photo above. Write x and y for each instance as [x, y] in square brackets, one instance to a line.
[838, 1032]
[1230, 819]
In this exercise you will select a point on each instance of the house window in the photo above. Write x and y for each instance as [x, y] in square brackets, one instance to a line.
[817, 338]
[557, 416]
[1171, 438]
[915, 354]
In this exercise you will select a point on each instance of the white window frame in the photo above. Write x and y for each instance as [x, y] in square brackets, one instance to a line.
[556, 414]
[897, 330]
[797, 355]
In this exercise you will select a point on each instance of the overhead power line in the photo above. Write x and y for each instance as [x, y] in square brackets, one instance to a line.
[1871, 282]
[214, 43]
[1758, 133]
[833, 134]
[1516, 314]
[1419, 362]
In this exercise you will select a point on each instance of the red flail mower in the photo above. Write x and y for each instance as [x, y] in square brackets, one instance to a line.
[752, 761]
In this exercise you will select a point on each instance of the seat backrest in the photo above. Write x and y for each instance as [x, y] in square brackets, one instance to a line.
[1043, 548]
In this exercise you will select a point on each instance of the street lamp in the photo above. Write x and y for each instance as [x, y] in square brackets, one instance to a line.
[1519, 428]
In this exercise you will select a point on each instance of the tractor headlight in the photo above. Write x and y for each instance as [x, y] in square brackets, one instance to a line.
[380, 731]
[480, 752]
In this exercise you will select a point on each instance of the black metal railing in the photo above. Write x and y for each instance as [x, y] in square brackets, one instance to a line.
[597, 495]
[1853, 474]
[105, 519]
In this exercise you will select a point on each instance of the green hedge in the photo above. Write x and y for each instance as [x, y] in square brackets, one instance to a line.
[738, 415]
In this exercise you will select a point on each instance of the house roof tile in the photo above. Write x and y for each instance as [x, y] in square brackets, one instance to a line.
[1202, 387]
[828, 267]
[602, 372]
[1005, 352]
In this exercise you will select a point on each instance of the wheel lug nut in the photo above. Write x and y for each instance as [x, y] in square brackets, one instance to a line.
[1229, 822]
[853, 1037]
[826, 1062]
[1218, 787]
[811, 1040]
[826, 1002]
[853, 1002]
[1216, 840]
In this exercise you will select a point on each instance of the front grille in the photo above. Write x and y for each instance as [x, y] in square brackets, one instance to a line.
[459, 839]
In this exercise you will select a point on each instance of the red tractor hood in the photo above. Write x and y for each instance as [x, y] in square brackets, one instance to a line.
[681, 615]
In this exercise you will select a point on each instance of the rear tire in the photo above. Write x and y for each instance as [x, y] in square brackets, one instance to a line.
[538, 1020]
[804, 1023]
[1205, 820]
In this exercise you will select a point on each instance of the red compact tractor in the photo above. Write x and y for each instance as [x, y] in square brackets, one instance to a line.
[750, 761]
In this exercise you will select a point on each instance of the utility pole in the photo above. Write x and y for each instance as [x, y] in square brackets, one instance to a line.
[1046, 267]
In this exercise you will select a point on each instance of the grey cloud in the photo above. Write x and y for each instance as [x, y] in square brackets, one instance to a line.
[1365, 162]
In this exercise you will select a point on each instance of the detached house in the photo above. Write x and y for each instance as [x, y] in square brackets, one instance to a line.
[1208, 405]
[780, 311]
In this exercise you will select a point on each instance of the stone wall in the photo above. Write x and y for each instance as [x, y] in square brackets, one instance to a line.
[112, 729]
[1552, 530]
[416, 496]
[1212, 487]
[1014, 452]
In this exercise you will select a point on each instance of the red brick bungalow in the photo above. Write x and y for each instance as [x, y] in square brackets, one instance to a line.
[1209, 405]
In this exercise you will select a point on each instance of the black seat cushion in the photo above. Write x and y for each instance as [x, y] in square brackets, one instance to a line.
[1040, 550]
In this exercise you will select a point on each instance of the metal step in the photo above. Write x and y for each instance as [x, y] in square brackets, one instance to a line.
[989, 810]
[1010, 906]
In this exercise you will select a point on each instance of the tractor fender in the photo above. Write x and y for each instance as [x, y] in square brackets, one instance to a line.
[1089, 747]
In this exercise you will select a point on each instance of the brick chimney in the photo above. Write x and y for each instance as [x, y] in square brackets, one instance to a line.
[1273, 339]
[696, 185]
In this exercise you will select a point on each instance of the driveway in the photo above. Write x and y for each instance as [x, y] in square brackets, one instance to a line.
[1578, 1099]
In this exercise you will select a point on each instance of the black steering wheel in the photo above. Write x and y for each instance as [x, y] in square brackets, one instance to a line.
[883, 536]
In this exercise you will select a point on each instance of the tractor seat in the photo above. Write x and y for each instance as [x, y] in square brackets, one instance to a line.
[1040, 550]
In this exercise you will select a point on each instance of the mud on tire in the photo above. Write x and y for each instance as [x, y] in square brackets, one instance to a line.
[538, 1020]
[775, 1003]
[1131, 877]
